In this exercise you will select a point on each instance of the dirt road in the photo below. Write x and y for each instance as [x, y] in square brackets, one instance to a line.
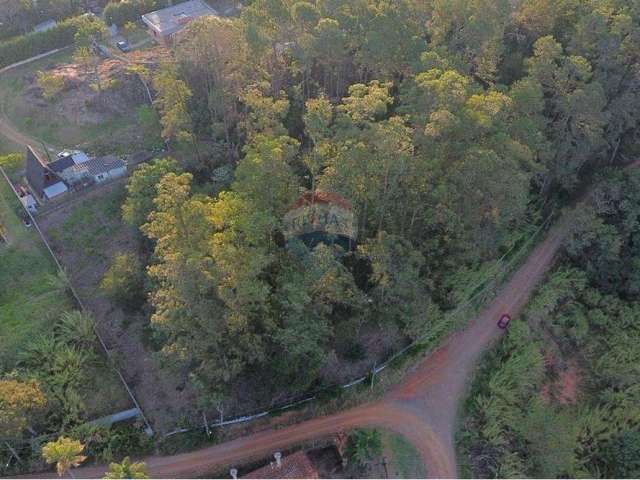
[6, 127]
[422, 407]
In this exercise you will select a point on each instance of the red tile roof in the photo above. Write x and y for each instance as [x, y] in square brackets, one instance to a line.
[318, 196]
[296, 465]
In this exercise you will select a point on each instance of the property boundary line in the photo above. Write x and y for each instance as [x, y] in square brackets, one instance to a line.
[110, 360]
[377, 369]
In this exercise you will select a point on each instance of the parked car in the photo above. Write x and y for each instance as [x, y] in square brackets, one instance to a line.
[504, 321]
[123, 46]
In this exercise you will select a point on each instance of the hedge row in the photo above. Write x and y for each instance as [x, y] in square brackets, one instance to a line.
[32, 44]
[131, 10]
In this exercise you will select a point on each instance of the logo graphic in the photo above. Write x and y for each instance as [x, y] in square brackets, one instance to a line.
[321, 217]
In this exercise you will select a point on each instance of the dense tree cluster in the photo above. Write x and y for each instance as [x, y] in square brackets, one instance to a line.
[448, 124]
[588, 313]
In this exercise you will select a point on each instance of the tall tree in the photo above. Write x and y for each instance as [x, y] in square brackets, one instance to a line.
[19, 400]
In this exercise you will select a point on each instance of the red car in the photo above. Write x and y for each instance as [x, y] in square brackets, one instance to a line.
[504, 321]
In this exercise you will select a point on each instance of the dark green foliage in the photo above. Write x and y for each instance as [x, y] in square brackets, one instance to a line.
[622, 455]
[27, 46]
[124, 282]
[119, 13]
[587, 309]
[363, 447]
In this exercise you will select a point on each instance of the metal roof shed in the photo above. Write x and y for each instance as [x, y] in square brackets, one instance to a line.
[168, 21]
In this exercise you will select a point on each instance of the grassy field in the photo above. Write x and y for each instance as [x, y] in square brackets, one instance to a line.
[32, 292]
[403, 460]
[33, 296]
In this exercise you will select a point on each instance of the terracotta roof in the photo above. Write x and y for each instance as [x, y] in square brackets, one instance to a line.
[296, 465]
[321, 197]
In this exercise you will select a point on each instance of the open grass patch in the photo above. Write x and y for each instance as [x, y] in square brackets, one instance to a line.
[403, 460]
[31, 292]
[33, 297]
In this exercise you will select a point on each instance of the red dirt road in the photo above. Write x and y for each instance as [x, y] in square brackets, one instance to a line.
[422, 407]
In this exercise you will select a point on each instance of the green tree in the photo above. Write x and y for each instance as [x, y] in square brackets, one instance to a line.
[126, 469]
[19, 400]
[364, 446]
[141, 190]
[50, 84]
[172, 95]
[399, 292]
[77, 328]
[623, 455]
[123, 282]
[65, 453]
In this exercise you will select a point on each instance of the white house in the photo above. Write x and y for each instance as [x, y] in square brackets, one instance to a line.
[99, 170]
[164, 24]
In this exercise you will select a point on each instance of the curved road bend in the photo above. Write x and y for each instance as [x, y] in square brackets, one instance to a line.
[422, 407]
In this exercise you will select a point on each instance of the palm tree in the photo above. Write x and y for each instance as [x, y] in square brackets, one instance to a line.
[77, 327]
[363, 446]
[65, 453]
[126, 469]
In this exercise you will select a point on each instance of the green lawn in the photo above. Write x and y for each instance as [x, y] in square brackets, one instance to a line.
[32, 297]
[403, 460]
[31, 292]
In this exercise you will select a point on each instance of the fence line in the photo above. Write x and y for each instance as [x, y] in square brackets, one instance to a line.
[110, 360]
[377, 369]
[492, 274]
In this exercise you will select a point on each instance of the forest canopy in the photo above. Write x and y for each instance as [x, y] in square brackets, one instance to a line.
[451, 126]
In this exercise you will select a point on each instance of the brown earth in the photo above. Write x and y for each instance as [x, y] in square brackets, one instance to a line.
[161, 395]
[82, 102]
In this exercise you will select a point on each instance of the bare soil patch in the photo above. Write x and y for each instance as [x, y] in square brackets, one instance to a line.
[85, 235]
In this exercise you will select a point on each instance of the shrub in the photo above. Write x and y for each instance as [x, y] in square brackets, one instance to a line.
[32, 44]
[130, 10]
[50, 84]
[124, 281]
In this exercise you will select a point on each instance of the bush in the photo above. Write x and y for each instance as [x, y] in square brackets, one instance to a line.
[32, 44]
[130, 10]
[124, 282]
[112, 444]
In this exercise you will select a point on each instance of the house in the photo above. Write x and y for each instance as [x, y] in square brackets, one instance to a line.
[96, 170]
[45, 183]
[166, 23]
[296, 465]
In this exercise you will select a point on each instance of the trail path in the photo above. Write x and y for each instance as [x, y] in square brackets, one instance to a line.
[422, 407]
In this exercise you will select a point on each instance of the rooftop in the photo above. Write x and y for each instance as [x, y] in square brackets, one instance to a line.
[170, 20]
[296, 465]
[99, 165]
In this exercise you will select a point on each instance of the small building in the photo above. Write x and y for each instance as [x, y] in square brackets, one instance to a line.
[45, 183]
[166, 23]
[98, 170]
[296, 465]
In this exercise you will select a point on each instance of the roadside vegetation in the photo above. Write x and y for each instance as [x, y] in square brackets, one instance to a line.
[559, 397]
[450, 146]
[53, 374]
[452, 128]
